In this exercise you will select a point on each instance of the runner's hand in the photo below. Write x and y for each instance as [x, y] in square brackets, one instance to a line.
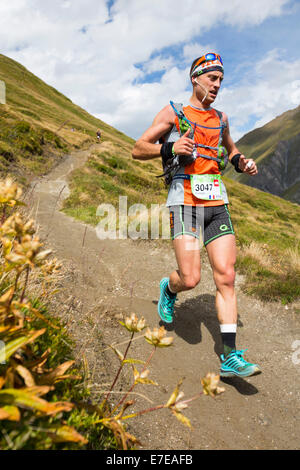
[184, 146]
[247, 165]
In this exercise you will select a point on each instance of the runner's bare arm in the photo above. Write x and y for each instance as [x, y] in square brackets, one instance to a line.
[233, 150]
[145, 147]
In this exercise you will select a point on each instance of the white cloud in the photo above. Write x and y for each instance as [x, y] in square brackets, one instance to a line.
[272, 88]
[195, 49]
[158, 64]
[252, 13]
[90, 56]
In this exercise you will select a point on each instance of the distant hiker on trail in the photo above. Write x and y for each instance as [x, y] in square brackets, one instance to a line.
[195, 145]
[98, 135]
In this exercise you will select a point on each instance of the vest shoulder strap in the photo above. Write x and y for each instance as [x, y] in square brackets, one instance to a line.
[181, 122]
[221, 117]
[178, 108]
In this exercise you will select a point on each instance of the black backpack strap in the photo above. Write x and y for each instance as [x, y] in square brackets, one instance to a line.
[223, 124]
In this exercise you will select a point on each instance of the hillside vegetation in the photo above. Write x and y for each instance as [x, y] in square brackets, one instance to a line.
[36, 129]
[38, 125]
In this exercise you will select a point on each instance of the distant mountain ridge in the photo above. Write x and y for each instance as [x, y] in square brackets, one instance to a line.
[276, 149]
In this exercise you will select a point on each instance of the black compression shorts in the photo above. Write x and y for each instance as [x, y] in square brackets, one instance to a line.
[207, 223]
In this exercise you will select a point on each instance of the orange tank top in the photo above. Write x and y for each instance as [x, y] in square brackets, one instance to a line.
[208, 135]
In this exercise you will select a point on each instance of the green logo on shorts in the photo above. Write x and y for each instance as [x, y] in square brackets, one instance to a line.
[224, 227]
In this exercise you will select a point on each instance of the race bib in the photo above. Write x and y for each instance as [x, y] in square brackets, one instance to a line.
[206, 187]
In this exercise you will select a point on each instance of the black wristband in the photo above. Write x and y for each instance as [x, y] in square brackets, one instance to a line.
[166, 151]
[235, 161]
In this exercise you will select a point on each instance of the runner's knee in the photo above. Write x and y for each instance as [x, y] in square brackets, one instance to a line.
[225, 277]
[190, 281]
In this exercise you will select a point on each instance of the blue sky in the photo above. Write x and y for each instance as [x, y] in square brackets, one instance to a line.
[124, 60]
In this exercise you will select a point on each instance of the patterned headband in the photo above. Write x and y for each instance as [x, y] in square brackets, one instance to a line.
[208, 63]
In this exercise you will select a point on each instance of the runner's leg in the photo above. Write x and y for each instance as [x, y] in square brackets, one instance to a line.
[222, 257]
[187, 252]
[186, 277]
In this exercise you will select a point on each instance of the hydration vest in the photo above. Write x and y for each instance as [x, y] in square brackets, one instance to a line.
[182, 124]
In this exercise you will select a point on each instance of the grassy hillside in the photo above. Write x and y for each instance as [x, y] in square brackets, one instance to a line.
[110, 172]
[38, 124]
[268, 237]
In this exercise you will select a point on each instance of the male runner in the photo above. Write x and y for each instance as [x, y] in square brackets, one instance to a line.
[197, 197]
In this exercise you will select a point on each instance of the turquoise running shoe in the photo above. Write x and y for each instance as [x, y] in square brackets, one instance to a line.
[165, 305]
[235, 364]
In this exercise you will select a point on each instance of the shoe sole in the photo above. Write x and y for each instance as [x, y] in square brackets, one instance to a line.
[158, 306]
[237, 374]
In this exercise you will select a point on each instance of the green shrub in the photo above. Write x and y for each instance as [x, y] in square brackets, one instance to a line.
[31, 145]
[22, 127]
[115, 162]
[102, 168]
[6, 152]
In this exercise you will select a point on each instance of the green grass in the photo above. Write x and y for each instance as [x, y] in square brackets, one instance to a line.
[268, 284]
[272, 224]
[39, 120]
[113, 161]
[107, 175]
[106, 170]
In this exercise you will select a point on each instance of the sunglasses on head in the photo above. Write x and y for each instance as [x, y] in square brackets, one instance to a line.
[207, 57]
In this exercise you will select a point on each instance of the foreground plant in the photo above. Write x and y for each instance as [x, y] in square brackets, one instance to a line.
[36, 391]
[25, 379]
[115, 417]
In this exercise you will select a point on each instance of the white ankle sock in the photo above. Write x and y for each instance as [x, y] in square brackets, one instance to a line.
[228, 328]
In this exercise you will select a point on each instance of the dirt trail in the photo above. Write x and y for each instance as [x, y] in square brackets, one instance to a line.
[110, 277]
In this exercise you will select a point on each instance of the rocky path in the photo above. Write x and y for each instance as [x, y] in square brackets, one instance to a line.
[108, 278]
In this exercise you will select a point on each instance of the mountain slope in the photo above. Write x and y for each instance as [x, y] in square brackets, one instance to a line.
[38, 124]
[275, 148]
